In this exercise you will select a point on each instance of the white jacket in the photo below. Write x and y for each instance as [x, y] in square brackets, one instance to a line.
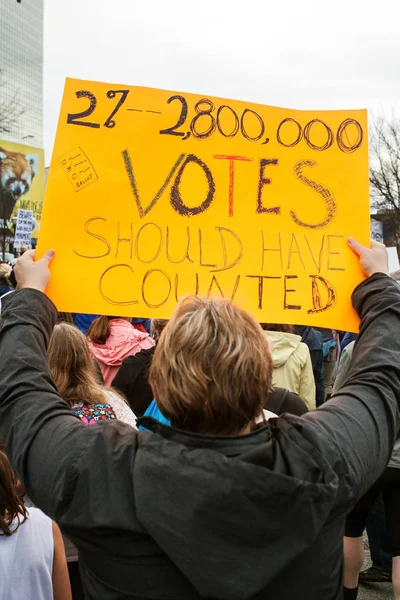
[292, 365]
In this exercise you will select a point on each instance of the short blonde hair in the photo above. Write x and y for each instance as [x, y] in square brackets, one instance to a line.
[212, 368]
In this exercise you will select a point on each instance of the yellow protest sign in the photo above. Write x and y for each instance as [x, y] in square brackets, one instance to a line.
[21, 183]
[153, 195]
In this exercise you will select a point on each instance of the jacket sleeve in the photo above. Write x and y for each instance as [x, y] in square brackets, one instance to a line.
[43, 438]
[357, 428]
[307, 382]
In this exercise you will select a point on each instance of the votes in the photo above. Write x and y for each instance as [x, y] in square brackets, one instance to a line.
[181, 204]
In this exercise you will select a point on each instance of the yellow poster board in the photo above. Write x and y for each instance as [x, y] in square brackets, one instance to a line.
[22, 181]
[153, 195]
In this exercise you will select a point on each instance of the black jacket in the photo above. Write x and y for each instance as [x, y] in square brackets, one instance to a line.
[167, 515]
[132, 380]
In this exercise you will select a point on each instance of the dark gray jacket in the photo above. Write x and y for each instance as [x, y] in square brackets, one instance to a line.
[167, 515]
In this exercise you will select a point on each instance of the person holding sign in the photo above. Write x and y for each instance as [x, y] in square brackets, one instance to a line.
[213, 506]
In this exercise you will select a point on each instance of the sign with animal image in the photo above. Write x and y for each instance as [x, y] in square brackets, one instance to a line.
[21, 182]
[153, 195]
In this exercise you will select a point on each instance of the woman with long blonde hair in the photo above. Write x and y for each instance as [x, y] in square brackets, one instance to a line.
[74, 373]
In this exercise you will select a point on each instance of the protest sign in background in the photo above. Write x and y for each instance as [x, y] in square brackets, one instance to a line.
[21, 181]
[24, 228]
[153, 195]
[377, 230]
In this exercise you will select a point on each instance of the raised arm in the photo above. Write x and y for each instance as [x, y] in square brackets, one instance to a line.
[356, 430]
[39, 431]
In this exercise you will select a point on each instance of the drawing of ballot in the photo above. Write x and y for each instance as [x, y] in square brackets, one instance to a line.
[78, 168]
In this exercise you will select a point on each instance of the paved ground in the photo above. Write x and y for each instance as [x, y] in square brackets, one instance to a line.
[374, 591]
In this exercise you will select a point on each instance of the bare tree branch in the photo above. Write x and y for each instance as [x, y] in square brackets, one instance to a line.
[11, 109]
[385, 173]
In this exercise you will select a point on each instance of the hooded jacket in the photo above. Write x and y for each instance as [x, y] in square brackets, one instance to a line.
[169, 515]
[292, 365]
[314, 341]
[124, 340]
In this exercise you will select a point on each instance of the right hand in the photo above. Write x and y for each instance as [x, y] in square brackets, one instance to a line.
[31, 274]
[372, 260]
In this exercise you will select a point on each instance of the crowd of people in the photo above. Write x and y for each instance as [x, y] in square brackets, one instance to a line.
[208, 456]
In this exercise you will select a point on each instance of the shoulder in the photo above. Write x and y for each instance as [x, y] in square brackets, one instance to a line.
[37, 515]
[348, 350]
[303, 351]
[38, 521]
[122, 410]
[113, 399]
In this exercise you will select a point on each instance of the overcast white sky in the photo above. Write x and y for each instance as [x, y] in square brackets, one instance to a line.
[297, 54]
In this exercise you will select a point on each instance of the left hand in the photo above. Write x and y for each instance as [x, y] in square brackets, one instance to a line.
[31, 274]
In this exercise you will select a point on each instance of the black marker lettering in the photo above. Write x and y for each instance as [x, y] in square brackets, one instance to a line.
[110, 300]
[264, 250]
[222, 231]
[132, 180]
[287, 291]
[97, 237]
[316, 295]
[186, 255]
[321, 250]
[261, 286]
[215, 280]
[297, 251]
[157, 252]
[177, 295]
[201, 251]
[147, 275]
[122, 240]
[264, 162]
[176, 199]
[331, 253]
[323, 191]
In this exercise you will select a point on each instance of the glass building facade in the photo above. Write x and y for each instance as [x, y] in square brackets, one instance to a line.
[21, 71]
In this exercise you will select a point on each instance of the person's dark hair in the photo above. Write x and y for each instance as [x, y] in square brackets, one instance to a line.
[12, 511]
[277, 327]
[64, 317]
[100, 330]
